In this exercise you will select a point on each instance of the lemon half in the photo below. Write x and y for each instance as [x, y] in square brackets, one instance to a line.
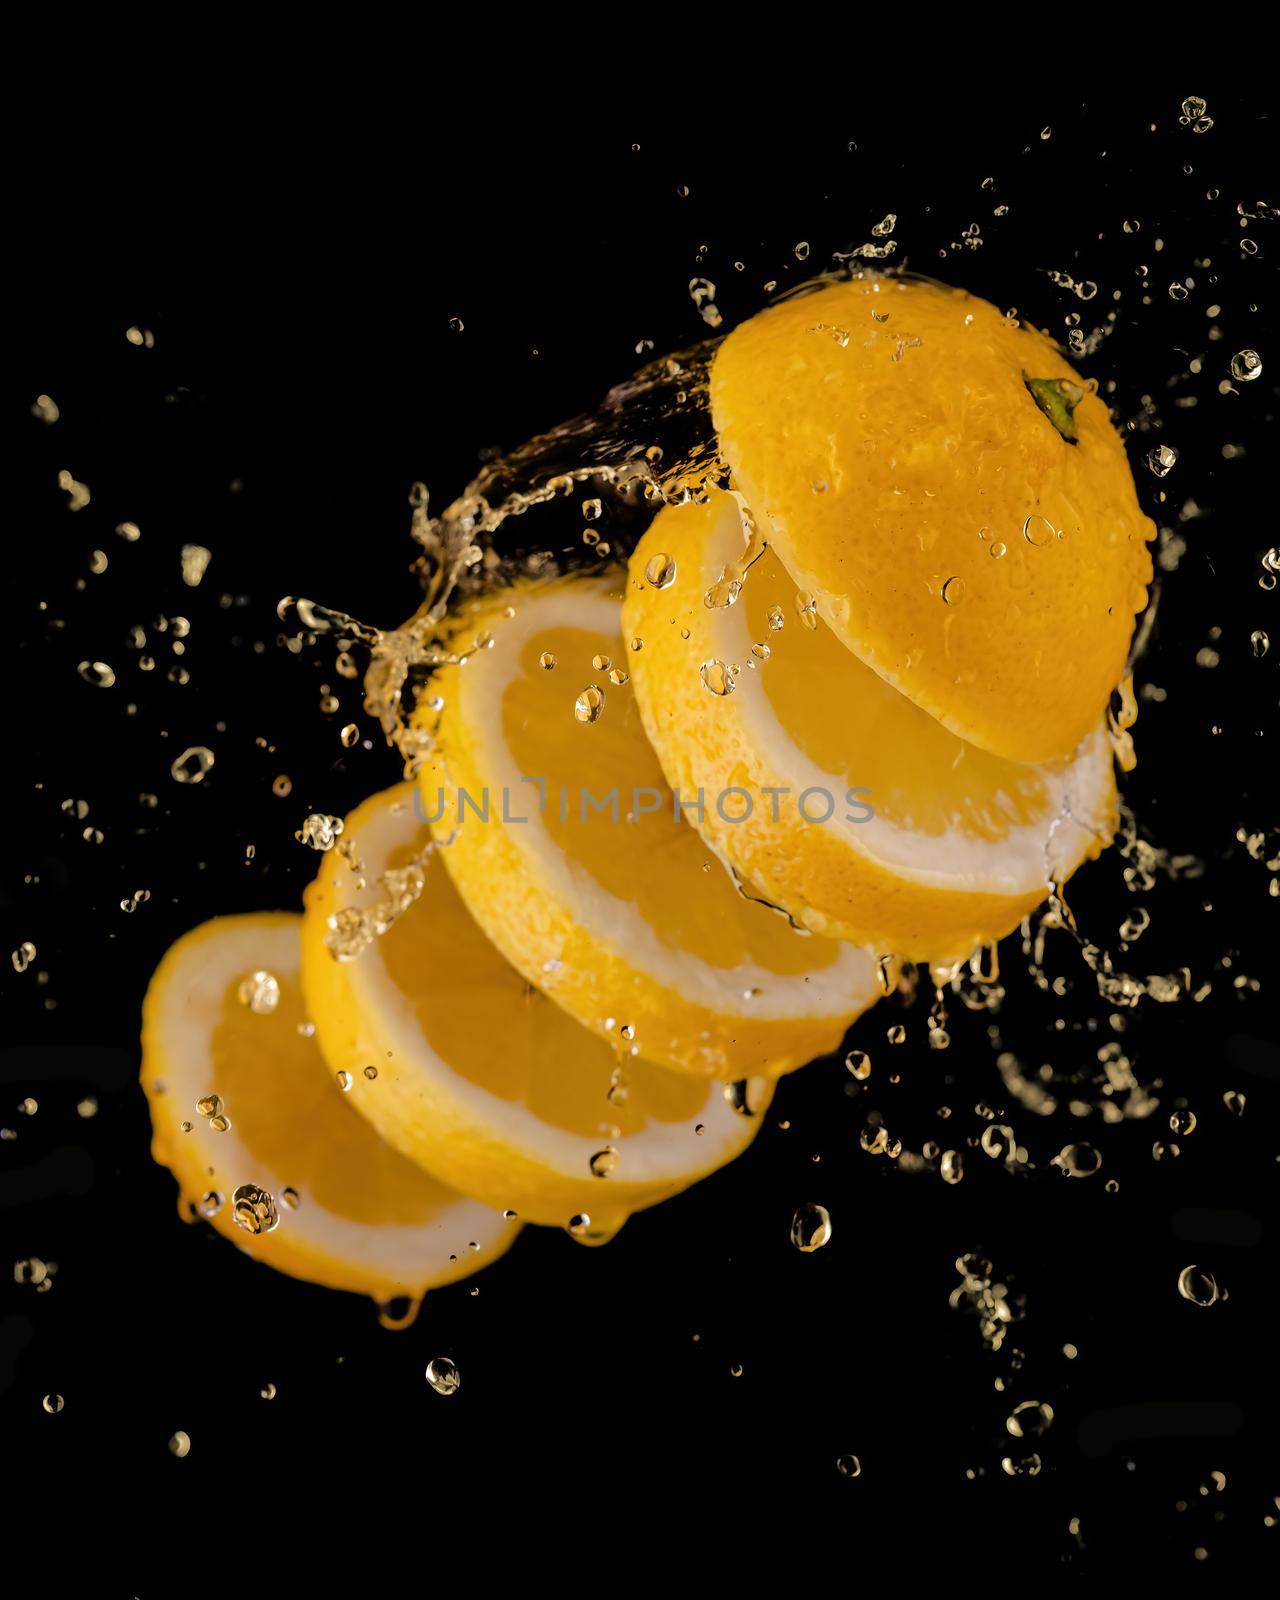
[887, 437]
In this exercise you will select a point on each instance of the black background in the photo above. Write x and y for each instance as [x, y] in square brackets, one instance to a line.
[299, 284]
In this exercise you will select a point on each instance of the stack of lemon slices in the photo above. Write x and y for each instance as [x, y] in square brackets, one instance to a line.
[676, 824]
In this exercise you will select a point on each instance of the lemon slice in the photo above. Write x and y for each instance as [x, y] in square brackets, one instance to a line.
[952, 494]
[479, 1077]
[601, 894]
[868, 819]
[262, 1141]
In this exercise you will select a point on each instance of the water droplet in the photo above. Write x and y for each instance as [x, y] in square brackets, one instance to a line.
[848, 1466]
[1022, 1466]
[254, 1210]
[443, 1375]
[604, 1162]
[953, 591]
[260, 992]
[1030, 1419]
[53, 1403]
[1198, 1285]
[810, 1227]
[589, 704]
[98, 673]
[951, 1167]
[1246, 365]
[1162, 460]
[747, 1096]
[1259, 642]
[195, 562]
[319, 831]
[344, 1081]
[547, 661]
[859, 1064]
[1183, 1122]
[1078, 1160]
[720, 678]
[180, 1444]
[192, 765]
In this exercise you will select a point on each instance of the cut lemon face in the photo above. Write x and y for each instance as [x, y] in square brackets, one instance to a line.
[480, 1078]
[953, 496]
[581, 871]
[262, 1140]
[860, 814]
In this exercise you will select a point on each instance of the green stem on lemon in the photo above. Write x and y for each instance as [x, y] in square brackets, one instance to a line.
[1058, 399]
